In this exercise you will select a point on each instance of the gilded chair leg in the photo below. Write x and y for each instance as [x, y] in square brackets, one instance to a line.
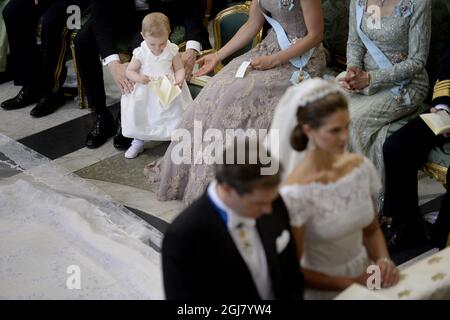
[437, 172]
[81, 96]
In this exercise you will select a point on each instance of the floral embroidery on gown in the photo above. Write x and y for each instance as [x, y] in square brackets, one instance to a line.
[404, 37]
[333, 216]
[230, 103]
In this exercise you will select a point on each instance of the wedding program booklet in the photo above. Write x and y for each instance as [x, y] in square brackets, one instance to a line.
[438, 122]
[165, 90]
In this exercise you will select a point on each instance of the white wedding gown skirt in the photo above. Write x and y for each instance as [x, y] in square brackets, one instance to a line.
[61, 238]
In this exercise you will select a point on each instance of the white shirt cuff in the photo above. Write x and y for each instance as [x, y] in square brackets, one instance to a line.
[192, 44]
[111, 58]
[443, 107]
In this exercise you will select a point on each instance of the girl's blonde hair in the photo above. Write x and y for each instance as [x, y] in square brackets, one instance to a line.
[154, 24]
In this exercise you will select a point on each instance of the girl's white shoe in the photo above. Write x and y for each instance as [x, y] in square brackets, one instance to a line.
[137, 146]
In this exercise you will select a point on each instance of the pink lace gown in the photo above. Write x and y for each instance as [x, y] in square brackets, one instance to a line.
[227, 102]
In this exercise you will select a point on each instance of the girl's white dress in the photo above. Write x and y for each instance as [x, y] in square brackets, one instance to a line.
[143, 117]
[333, 216]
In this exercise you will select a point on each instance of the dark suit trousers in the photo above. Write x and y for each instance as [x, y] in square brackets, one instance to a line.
[405, 152]
[188, 14]
[89, 47]
[42, 68]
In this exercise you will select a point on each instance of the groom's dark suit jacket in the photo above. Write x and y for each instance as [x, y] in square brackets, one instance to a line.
[201, 261]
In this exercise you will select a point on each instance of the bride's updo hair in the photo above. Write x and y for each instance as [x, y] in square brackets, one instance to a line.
[314, 113]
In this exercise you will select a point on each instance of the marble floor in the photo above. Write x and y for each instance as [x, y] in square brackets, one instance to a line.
[60, 137]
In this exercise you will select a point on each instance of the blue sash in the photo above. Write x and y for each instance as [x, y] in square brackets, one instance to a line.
[223, 215]
[284, 43]
[399, 92]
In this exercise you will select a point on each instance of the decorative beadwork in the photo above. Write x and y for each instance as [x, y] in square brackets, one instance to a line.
[405, 8]
[287, 4]
[398, 57]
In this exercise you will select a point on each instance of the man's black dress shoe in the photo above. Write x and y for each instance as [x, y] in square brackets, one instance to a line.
[48, 105]
[26, 96]
[102, 131]
[121, 142]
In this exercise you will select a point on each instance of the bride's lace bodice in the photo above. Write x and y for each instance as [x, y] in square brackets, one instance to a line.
[333, 216]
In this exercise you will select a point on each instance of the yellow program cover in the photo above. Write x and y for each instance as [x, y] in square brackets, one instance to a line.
[165, 91]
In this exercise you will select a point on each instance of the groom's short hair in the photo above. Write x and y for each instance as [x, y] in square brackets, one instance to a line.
[243, 172]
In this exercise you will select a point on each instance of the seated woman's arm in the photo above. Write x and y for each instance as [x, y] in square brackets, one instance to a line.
[355, 48]
[244, 35]
[419, 44]
[313, 15]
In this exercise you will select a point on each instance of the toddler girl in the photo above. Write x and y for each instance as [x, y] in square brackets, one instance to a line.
[144, 116]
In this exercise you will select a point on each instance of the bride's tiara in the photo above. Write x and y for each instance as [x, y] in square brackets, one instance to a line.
[312, 90]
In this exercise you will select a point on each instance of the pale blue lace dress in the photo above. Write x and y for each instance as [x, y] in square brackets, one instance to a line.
[404, 38]
[230, 103]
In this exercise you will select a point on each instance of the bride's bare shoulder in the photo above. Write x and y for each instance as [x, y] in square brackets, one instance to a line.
[304, 173]
[349, 161]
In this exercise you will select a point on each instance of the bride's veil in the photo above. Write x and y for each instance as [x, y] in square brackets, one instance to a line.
[51, 218]
[285, 119]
